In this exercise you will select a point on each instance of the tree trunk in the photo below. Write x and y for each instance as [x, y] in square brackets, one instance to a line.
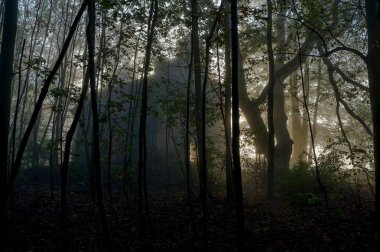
[235, 124]
[316, 105]
[373, 56]
[6, 76]
[142, 187]
[65, 163]
[90, 32]
[199, 115]
[37, 108]
[227, 93]
[271, 130]
[299, 118]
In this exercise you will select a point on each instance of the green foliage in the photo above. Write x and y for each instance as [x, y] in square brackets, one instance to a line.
[58, 92]
[300, 179]
[304, 199]
[117, 172]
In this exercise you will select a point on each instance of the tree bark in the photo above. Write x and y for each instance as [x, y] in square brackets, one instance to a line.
[142, 187]
[271, 129]
[90, 34]
[373, 57]
[65, 163]
[199, 115]
[37, 108]
[235, 124]
[227, 93]
[6, 77]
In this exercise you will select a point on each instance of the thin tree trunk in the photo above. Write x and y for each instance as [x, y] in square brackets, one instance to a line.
[142, 187]
[316, 104]
[227, 93]
[187, 144]
[199, 116]
[90, 34]
[37, 108]
[109, 112]
[235, 124]
[270, 159]
[65, 164]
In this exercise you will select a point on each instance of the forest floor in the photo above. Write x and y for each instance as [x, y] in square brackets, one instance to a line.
[270, 225]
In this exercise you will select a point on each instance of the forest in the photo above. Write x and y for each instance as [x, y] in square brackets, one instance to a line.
[199, 125]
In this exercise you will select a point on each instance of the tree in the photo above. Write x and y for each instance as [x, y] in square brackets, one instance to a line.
[6, 77]
[65, 163]
[235, 123]
[271, 84]
[227, 93]
[199, 114]
[90, 34]
[373, 62]
[142, 186]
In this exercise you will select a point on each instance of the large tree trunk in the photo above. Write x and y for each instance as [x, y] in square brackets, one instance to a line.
[6, 77]
[299, 118]
[251, 107]
[373, 26]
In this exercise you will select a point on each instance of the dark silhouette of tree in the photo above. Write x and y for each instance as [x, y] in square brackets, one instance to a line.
[6, 77]
[373, 63]
[65, 164]
[141, 180]
[271, 83]
[235, 122]
[45, 88]
[227, 104]
[90, 35]
[200, 124]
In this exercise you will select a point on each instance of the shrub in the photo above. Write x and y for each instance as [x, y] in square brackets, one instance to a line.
[304, 199]
[300, 179]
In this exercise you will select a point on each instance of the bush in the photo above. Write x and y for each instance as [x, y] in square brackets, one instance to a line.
[300, 179]
[304, 199]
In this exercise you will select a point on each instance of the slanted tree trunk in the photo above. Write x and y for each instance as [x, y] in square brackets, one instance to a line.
[37, 108]
[65, 164]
